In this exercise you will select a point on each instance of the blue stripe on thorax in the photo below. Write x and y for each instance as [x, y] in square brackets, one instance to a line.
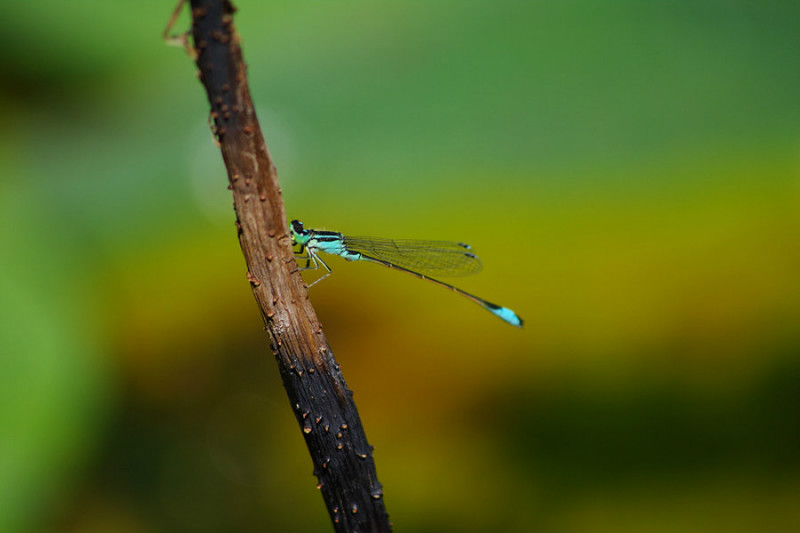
[331, 242]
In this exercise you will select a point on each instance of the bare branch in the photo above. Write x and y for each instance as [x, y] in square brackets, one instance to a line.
[317, 391]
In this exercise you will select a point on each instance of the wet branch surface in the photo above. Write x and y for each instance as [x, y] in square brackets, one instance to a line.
[319, 397]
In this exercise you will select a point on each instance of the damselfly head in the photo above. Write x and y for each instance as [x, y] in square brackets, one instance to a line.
[300, 235]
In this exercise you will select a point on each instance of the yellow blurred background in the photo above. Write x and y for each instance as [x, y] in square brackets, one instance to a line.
[629, 174]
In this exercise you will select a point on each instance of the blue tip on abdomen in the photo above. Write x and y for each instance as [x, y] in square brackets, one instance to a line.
[508, 315]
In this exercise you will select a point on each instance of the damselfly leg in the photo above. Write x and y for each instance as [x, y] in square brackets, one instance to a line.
[313, 262]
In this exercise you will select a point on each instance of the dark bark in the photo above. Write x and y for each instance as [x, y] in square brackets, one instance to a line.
[317, 391]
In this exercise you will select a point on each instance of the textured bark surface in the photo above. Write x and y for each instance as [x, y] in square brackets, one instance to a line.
[317, 391]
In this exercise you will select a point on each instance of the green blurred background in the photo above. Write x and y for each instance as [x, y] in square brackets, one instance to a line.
[629, 173]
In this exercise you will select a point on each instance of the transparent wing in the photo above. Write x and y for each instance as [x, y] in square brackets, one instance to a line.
[434, 258]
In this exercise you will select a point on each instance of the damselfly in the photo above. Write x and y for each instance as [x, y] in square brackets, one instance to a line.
[418, 258]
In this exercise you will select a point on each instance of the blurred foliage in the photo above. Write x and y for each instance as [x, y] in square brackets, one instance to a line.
[628, 171]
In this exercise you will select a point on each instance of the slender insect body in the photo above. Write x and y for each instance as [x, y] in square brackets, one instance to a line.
[418, 258]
